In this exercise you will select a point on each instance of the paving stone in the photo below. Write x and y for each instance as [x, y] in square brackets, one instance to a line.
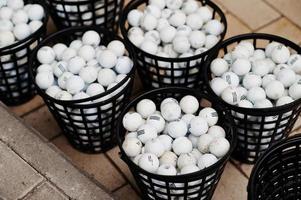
[114, 155]
[20, 110]
[47, 160]
[43, 121]
[284, 28]
[46, 192]
[17, 177]
[126, 193]
[289, 8]
[97, 165]
[235, 27]
[232, 186]
[297, 125]
[255, 13]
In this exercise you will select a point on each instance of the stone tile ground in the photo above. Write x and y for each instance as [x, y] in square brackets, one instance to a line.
[280, 17]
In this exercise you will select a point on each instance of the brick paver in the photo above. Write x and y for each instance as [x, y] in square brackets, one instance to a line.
[46, 191]
[126, 193]
[20, 110]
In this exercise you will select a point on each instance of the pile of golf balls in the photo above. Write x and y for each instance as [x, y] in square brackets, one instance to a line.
[83, 69]
[174, 28]
[18, 21]
[257, 78]
[177, 139]
[81, 14]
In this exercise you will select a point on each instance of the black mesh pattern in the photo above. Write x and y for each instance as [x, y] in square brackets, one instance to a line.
[104, 13]
[182, 72]
[88, 123]
[257, 128]
[277, 175]
[15, 84]
[198, 185]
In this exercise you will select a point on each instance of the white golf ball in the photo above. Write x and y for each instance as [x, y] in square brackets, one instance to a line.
[198, 126]
[169, 158]
[35, 25]
[197, 39]
[286, 77]
[280, 54]
[157, 121]
[284, 100]
[6, 25]
[149, 162]
[194, 140]
[107, 59]
[148, 22]
[187, 118]
[132, 147]
[295, 91]
[177, 129]
[124, 65]
[149, 46]
[214, 27]
[20, 16]
[185, 160]
[22, 31]
[260, 67]
[177, 18]
[53, 90]
[155, 147]
[230, 95]
[171, 111]
[274, 90]
[256, 94]
[259, 54]
[68, 54]
[206, 160]
[117, 47]
[146, 132]
[181, 44]
[231, 78]
[189, 104]
[87, 52]
[241, 66]
[174, 4]
[46, 55]
[106, 77]
[216, 131]
[94, 89]
[75, 64]
[75, 84]
[62, 80]
[267, 79]
[194, 21]
[295, 63]
[218, 85]
[146, 107]
[210, 115]
[181, 145]
[219, 147]
[251, 80]
[88, 74]
[76, 44]
[134, 17]
[63, 96]
[35, 12]
[6, 13]
[219, 66]
[270, 47]
[132, 121]
[91, 38]
[44, 80]
[167, 34]
[166, 141]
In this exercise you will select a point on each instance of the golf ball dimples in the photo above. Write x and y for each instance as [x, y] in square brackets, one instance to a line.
[219, 147]
[35, 25]
[189, 104]
[181, 44]
[193, 139]
[44, 80]
[214, 27]
[146, 132]
[46, 55]
[146, 107]
[87, 52]
[63, 79]
[219, 66]
[198, 126]
[295, 63]
[255, 94]
[203, 143]
[171, 111]
[270, 47]
[218, 85]
[76, 45]
[260, 67]
[181, 145]
[21, 31]
[88, 74]
[177, 19]
[148, 22]
[194, 21]
[157, 121]
[91, 38]
[263, 103]
[295, 91]
[149, 162]
[134, 17]
[20, 17]
[274, 90]
[267, 79]
[53, 90]
[117, 47]
[155, 147]
[241, 66]
[166, 141]
[210, 115]
[95, 89]
[206, 160]
[286, 77]
[75, 64]
[132, 146]
[169, 158]
[63, 95]
[177, 129]
[106, 77]
[167, 34]
[174, 4]
[284, 100]
[132, 121]
[186, 159]
[68, 53]
[75, 84]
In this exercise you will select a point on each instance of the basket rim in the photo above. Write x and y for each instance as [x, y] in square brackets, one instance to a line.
[193, 92]
[236, 39]
[135, 3]
[261, 161]
[129, 77]
[70, 2]
[19, 44]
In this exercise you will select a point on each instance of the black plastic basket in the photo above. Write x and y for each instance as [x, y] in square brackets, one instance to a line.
[256, 128]
[198, 185]
[88, 126]
[16, 86]
[72, 13]
[277, 174]
[155, 76]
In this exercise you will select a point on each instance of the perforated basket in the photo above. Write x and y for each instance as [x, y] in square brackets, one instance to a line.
[277, 174]
[88, 123]
[71, 13]
[15, 84]
[150, 67]
[256, 128]
[198, 185]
